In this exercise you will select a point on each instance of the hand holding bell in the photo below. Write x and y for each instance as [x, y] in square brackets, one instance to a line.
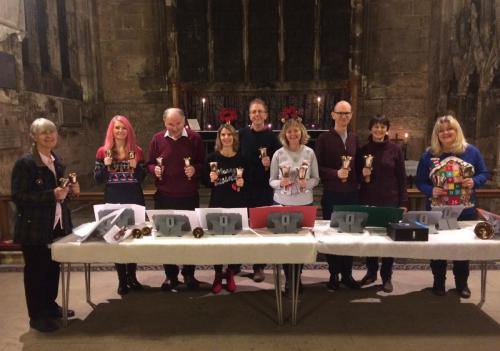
[264, 157]
[369, 166]
[214, 170]
[159, 167]
[108, 159]
[346, 167]
[302, 171]
[132, 162]
[188, 169]
[239, 178]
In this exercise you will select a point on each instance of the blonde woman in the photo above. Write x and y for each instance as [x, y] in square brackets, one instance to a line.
[294, 172]
[462, 165]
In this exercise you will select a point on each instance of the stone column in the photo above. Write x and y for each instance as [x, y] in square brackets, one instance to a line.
[355, 74]
[173, 53]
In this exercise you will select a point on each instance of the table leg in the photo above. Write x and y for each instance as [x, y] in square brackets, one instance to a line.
[65, 276]
[277, 289]
[484, 270]
[295, 276]
[86, 267]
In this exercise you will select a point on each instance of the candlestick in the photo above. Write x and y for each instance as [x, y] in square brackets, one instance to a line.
[318, 100]
[203, 100]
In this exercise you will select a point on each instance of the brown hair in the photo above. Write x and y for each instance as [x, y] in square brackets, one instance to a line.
[236, 139]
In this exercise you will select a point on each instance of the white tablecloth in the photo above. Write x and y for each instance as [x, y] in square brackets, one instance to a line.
[247, 247]
[459, 244]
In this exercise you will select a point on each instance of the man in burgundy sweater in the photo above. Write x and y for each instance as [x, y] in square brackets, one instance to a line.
[340, 186]
[176, 182]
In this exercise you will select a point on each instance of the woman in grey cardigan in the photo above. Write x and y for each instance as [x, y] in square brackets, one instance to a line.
[294, 172]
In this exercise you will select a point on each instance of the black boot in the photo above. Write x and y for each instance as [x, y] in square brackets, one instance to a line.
[121, 269]
[439, 272]
[462, 287]
[132, 281]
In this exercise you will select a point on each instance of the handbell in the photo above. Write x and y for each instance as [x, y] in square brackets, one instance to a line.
[346, 164]
[368, 164]
[213, 167]
[64, 182]
[239, 175]
[108, 153]
[187, 163]
[263, 152]
[72, 178]
[484, 231]
[159, 163]
[198, 232]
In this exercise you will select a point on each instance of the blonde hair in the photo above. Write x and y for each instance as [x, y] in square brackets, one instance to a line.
[42, 125]
[293, 123]
[460, 143]
[232, 130]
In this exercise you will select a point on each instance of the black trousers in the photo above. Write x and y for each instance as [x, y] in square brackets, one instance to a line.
[460, 271]
[338, 264]
[41, 281]
[460, 268]
[177, 203]
[385, 269]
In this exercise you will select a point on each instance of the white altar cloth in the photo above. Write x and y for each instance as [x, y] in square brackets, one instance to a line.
[461, 244]
[246, 247]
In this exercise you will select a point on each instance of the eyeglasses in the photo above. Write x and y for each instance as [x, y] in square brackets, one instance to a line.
[343, 114]
[444, 119]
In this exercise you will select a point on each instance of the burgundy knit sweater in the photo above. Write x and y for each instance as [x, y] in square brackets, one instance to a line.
[174, 182]
[387, 186]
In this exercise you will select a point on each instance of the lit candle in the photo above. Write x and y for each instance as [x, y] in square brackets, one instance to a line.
[270, 126]
[318, 100]
[203, 100]
[406, 137]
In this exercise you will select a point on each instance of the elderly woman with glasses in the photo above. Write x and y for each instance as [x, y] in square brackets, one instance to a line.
[462, 168]
[42, 217]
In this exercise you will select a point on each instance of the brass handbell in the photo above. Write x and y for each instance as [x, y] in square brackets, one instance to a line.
[64, 182]
[484, 230]
[139, 233]
[72, 178]
[198, 232]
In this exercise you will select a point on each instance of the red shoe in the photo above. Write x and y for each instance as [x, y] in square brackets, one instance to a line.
[230, 284]
[217, 285]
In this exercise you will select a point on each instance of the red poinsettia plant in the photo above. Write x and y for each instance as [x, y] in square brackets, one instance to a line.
[290, 112]
[227, 115]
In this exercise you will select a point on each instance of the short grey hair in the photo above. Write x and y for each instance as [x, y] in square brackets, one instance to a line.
[173, 110]
[42, 125]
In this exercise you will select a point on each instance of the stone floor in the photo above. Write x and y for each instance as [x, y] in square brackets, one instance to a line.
[410, 318]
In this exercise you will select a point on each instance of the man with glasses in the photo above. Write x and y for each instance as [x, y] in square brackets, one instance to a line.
[340, 186]
[253, 139]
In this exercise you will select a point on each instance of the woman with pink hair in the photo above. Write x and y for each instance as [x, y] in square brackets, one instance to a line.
[120, 166]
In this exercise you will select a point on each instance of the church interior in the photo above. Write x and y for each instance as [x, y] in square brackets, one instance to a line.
[78, 63]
